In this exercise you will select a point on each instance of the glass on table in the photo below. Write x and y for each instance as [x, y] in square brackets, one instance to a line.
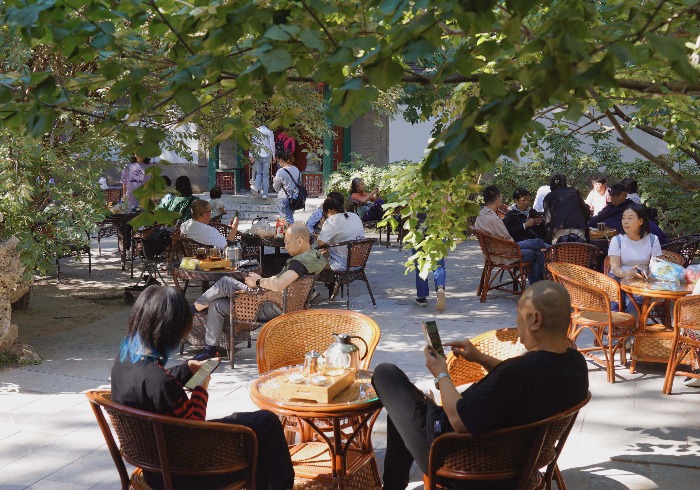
[201, 253]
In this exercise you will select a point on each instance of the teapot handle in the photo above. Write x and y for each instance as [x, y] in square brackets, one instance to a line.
[366, 346]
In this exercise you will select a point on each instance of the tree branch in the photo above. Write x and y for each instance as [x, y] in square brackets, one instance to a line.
[152, 3]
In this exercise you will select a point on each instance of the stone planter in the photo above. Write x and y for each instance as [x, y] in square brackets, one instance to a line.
[12, 288]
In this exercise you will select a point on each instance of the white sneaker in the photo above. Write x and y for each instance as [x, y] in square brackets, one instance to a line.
[692, 382]
[264, 196]
[441, 300]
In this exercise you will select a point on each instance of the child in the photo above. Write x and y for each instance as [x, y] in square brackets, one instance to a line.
[218, 208]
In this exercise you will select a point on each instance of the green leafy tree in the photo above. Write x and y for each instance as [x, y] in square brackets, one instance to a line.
[496, 69]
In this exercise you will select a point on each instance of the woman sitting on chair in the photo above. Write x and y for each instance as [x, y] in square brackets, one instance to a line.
[182, 203]
[159, 321]
[370, 202]
[631, 252]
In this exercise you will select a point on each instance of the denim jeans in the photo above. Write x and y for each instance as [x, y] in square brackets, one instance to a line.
[439, 276]
[285, 210]
[629, 306]
[531, 251]
[261, 171]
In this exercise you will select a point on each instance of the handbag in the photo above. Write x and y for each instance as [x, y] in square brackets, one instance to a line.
[298, 198]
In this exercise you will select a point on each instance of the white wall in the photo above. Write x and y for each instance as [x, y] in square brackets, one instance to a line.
[408, 141]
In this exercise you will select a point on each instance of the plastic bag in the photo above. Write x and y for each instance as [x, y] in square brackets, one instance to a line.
[663, 270]
[263, 228]
[692, 273]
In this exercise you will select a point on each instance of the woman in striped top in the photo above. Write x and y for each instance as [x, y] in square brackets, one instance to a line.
[158, 322]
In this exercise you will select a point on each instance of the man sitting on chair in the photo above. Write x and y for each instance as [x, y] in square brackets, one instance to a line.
[197, 229]
[488, 222]
[303, 261]
[550, 378]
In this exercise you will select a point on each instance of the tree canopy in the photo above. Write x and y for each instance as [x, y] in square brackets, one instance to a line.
[145, 66]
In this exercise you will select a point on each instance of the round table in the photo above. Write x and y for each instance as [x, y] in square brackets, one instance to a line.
[653, 345]
[210, 276]
[343, 458]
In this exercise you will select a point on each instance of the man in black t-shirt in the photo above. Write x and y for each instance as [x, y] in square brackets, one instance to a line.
[551, 377]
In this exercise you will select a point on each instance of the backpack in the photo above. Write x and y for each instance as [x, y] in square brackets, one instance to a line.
[298, 198]
[571, 237]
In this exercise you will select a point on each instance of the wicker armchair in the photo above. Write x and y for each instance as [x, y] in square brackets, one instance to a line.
[686, 340]
[591, 293]
[686, 246]
[358, 253]
[501, 256]
[513, 453]
[501, 344]
[244, 314]
[284, 340]
[583, 254]
[175, 447]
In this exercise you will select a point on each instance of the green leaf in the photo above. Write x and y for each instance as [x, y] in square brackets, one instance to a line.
[276, 33]
[384, 74]
[276, 60]
[492, 86]
[311, 40]
[187, 102]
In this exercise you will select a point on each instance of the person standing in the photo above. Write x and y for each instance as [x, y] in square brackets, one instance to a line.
[598, 198]
[133, 177]
[439, 277]
[261, 157]
[286, 184]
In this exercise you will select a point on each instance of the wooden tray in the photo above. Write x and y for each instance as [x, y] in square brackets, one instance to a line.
[323, 393]
[206, 265]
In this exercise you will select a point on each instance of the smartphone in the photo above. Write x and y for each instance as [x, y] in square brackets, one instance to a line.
[204, 371]
[432, 336]
[641, 272]
[235, 214]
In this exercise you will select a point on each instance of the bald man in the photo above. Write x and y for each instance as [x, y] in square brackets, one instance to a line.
[550, 377]
[303, 261]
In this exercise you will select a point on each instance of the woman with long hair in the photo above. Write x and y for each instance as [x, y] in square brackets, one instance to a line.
[159, 321]
[182, 203]
[565, 212]
[369, 203]
[286, 183]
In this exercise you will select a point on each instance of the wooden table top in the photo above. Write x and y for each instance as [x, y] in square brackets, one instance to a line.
[655, 288]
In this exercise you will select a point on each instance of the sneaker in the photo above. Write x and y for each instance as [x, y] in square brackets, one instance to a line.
[208, 352]
[315, 297]
[423, 302]
[264, 196]
[441, 301]
[692, 382]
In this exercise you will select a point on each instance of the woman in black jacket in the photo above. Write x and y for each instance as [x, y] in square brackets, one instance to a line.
[523, 222]
[565, 212]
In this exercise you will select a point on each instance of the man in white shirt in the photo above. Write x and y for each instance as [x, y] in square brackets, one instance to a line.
[198, 230]
[261, 157]
[340, 226]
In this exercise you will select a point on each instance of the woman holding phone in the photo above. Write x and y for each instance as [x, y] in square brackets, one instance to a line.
[159, 321]
[631, 251]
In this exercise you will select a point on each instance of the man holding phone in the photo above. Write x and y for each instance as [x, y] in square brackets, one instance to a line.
[551, 377]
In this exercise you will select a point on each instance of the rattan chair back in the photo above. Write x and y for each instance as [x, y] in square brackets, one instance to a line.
[189, 246]
[672, 257]
[686, 340]
[357, 255]
[284, 340]
[498, 247]
[222, 228]
[501, 344]
[588, 289]
[172, 446]
[112, 195]
[583, 254]
[513, 453]
[686, 246]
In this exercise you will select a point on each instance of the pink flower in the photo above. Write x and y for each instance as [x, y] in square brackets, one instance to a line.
[444, 210]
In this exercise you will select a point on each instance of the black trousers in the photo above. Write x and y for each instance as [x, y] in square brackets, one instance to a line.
[411, 424]
[274, 469]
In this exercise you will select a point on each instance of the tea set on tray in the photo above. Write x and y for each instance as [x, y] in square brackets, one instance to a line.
[215, 258]
[325, 375]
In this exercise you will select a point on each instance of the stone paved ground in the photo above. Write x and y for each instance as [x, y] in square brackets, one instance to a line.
[629, 436]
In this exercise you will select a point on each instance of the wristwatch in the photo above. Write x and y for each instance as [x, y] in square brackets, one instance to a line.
[257, 282]
[439, 377]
